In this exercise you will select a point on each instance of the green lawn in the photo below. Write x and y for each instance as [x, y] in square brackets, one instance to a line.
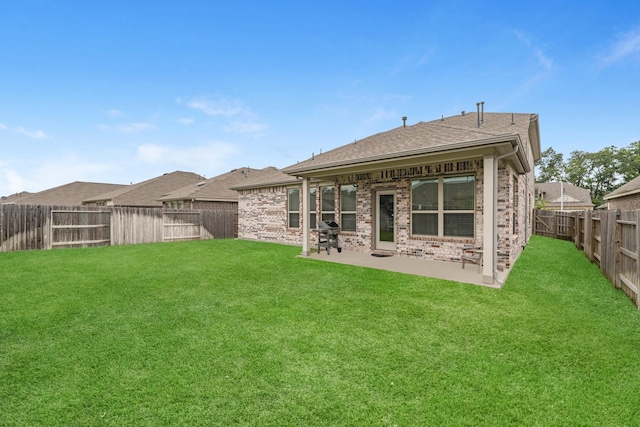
[244, 333]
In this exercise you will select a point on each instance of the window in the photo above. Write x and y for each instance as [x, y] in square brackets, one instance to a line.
[313, 220]
[443, 206]
[328, 204]
[348, 207]
[294, 208]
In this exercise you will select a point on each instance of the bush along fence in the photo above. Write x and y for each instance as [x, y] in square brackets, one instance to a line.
[611, 239]
[25, 227]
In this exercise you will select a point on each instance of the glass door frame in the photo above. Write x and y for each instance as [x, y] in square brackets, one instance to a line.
[384, 244]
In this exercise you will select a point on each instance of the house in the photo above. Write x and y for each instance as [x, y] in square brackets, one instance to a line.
[146, 193]
[214, 193]
[563, 196]
[14, 198]
[625, 197]
[71, 194]
[431, 190]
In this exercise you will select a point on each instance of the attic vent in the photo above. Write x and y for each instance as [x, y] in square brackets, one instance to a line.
[200, 184]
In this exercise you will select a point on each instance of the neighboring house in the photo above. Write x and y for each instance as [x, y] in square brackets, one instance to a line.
[625, 197]
[562, 196]
[214, 193]
[146, 193]
[71, 194]
[430, 190]
[14, 198]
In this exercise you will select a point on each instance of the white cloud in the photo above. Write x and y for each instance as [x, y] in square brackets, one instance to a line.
[35, 134]
[545, 62]
[127, 128]
[114, 113]
[218, 106]
[627, 46]
[244, 119]
[196, 158]
[186, 121]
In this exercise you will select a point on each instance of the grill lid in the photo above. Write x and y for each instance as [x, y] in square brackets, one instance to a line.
[328, 224]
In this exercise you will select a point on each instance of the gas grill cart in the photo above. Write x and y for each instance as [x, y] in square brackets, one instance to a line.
[328, 236]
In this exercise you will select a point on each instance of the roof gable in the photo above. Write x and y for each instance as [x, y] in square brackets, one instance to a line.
[218, 188]
[71, 194]
[147, 193]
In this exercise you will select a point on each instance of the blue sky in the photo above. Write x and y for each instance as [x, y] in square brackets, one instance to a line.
[123, 91]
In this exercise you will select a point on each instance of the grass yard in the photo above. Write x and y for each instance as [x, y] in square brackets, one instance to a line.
[244, 333]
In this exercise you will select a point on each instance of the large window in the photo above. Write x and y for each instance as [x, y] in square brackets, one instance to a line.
[312, 208]
[294, 207]
[348, 207]
[328, 204]
[443, 206]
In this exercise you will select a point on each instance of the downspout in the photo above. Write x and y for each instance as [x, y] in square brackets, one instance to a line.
[495, 209]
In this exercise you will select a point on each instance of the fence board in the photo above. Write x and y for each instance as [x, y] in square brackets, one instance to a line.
[26, 227]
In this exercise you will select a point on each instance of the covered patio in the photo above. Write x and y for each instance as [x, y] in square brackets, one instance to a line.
[410, 265]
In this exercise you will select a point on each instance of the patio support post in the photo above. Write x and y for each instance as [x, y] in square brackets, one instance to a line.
[489, 218]
[306, 217]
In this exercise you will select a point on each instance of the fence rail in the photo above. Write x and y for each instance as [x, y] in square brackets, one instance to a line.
[610, 239]
[26, 227]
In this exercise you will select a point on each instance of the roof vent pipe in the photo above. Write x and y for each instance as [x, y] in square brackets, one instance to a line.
[404, 121]
[478, 108]
[482, 112]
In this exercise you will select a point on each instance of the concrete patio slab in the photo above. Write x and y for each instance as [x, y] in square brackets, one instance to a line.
[408, 265]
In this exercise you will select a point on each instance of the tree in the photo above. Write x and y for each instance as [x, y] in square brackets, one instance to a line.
[597, 172]
[550, 166]
[629, 162]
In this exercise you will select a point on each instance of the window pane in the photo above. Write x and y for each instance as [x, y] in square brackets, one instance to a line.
[458, 224]
[424, 195]
[312, 220]
[328, 217]
[424, 224]
[294, 199]
[312, 199]
[458, 193]
[328, 201]
[348, 198]
[294, 220]
[348, 222]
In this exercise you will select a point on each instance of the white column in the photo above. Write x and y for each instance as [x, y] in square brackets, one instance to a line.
[305, 217]
[489, 221]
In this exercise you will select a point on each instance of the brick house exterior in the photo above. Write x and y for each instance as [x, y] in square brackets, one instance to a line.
[466, 162]
[626, 197]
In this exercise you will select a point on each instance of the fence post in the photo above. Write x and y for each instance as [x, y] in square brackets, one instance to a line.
[588, 247]
[618, 243]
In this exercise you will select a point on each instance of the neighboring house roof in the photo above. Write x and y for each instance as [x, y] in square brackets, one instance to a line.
[628, 189]
[448, 134]
[147, 193]
[13, 198]
[71, 194]
[554, 192]
[268, 177]
[218, 188]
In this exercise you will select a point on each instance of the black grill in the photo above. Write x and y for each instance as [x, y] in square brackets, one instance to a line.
[328, 236]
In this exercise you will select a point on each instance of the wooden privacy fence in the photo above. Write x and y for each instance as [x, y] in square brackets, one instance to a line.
[25, 227]
[611, 239]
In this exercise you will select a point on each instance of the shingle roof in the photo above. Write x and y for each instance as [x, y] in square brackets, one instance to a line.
[552, 191]
[147, 193]
[435, 136]
[218, 188]
[269, 177]
[13, 198]
[71, 194]
[627, 189]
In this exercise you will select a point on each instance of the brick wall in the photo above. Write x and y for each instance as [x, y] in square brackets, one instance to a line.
[263, 216]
